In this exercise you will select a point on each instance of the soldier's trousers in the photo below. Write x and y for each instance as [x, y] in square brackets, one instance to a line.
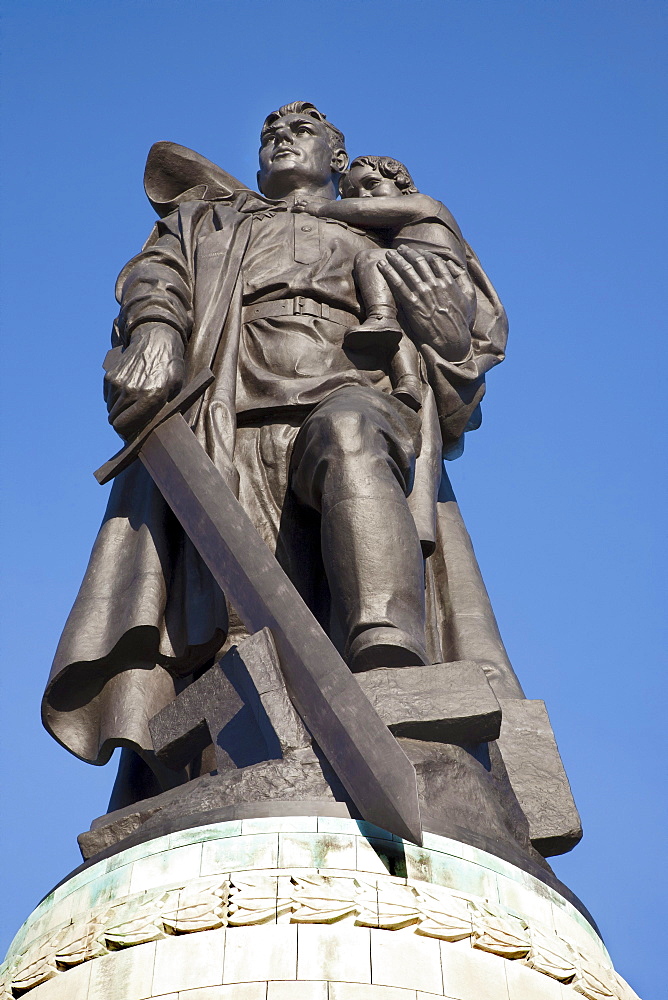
[349, 464]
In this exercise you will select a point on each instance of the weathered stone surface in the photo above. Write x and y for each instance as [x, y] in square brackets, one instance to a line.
[417, 963]
[189, 961]
[333, 952]
[254, 953]
[298, 777]
[538, 778]
[472, 975]
[467, 789]
[464, 792]
[446, 702]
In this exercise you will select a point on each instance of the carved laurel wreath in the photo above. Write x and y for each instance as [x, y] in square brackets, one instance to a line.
[243, 901]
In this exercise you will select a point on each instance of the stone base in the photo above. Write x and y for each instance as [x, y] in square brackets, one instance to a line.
[306, 908]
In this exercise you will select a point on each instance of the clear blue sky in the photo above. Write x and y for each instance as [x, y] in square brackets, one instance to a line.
[538, 123]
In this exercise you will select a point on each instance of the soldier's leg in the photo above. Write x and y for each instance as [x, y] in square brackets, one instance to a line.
[353, 462]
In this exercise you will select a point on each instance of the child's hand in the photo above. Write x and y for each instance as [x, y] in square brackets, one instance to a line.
[312, 205]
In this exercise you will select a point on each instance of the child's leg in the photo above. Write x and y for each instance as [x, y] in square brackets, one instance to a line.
[405, 374]
[380, 328]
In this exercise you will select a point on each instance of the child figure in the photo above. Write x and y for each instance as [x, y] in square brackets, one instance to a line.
[378, 193]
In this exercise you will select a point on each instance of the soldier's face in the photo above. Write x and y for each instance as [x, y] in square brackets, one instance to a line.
[294, 151]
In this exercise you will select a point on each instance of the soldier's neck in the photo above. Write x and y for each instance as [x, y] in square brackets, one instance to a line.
[306, 190]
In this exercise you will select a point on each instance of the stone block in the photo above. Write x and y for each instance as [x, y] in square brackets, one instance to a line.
[105, 889]
[365, 829]
[537, 774]
[338, 824]
[131, 854]
[403, 959]
[450, 872]
[240, 991]
[189, 961]
[357, 991]
[66, 985]
[528, 903]
[446, 845]
[469, 974]
[181, 864]
[460, 875]
[280, 824]
[297, 991]
[79, 880]
[49, 917]
[526, 984]
[217, 831]
[333, 952]
[123, 975]
[442, 703]
[381, 857]
[316, 850]
[579, 935]
[243, 853]
[257, 953]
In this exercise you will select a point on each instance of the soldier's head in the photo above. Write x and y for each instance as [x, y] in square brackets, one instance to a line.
[376, 177]
[300, 148]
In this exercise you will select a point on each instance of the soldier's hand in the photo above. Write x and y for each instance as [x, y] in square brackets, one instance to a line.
[438, 311]
[150, 371]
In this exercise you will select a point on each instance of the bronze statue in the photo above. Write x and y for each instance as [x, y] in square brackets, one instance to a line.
[349, 342]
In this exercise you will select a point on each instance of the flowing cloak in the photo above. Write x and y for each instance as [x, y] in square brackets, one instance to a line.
[148, 612]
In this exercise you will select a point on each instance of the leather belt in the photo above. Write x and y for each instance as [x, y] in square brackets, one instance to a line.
[298, 306]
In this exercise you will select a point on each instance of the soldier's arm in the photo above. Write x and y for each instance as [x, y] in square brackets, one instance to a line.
[155, 294]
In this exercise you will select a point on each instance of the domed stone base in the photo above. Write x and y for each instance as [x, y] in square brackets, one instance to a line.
[306, 908]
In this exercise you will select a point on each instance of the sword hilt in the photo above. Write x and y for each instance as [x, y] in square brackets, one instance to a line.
[179, 404]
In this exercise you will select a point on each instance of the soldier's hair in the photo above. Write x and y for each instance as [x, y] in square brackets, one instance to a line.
[386, 167]
[335, 137]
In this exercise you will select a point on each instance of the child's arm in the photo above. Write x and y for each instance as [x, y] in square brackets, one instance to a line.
[376, 213]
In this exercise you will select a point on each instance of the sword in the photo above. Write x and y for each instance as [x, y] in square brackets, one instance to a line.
[371, 765]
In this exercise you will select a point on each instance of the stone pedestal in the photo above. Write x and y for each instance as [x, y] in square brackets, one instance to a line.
[306, 908]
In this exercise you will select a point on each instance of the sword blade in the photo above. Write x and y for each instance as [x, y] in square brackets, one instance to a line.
[364, 754]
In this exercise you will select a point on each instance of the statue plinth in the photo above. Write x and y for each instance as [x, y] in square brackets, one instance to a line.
[306, 907]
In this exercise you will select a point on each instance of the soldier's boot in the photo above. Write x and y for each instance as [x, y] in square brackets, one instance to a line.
[375, 569]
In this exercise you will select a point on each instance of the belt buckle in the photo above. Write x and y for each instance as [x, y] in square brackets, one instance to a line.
[299, 303]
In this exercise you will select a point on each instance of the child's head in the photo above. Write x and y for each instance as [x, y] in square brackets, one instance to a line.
[376, 177]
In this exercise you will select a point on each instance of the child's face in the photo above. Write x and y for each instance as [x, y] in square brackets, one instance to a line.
[367, 182]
